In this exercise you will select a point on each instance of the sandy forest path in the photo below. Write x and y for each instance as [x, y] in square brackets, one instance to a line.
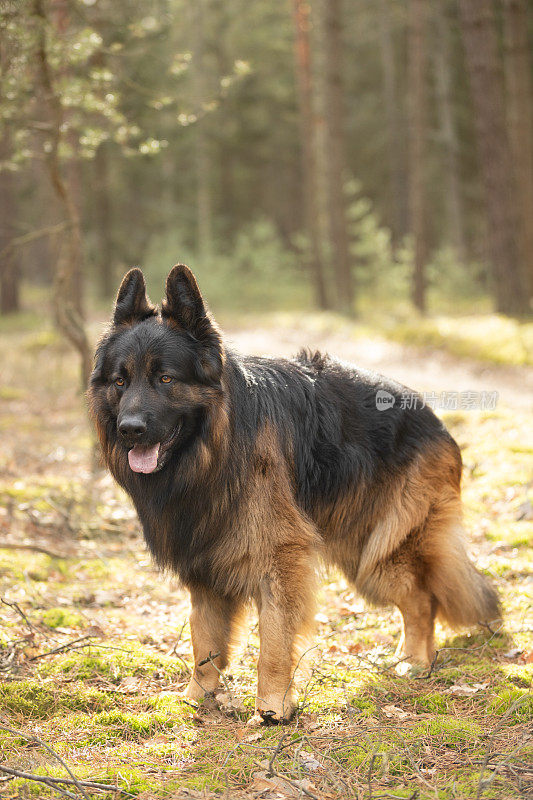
[422, 370]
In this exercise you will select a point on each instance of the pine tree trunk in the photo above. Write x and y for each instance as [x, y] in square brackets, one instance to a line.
[204, 213]
[9, 258]
[335, 155]
[417, 44]
[9, 261]
[308, 143]
[448, 130]
[60, 18]
[518, 81]
[68, 320]
[103, 219]
[395, 138]
[486, 81]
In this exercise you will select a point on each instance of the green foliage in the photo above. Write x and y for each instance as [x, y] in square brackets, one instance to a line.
[380, 270]
[134, 98]
[258, 274]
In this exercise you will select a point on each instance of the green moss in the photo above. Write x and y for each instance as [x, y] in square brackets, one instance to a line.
[519, 672]
[507, 698]
[97, 569]
[486, 337]
[448, 729]
[11, 393]
[522, 538]
[433, 703]
[62, 618]
[363, 706]
[29, 700]
[113, 664]
[119, 725]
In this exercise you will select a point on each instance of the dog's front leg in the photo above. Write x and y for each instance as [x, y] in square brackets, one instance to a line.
[213, 621]
[285, 607]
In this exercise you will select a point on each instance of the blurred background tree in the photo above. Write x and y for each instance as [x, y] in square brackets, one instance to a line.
[297, 154]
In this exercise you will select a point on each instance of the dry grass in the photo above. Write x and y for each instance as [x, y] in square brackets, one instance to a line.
[94, 644]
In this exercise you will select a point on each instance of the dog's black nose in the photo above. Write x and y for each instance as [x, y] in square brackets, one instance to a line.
[132, 427]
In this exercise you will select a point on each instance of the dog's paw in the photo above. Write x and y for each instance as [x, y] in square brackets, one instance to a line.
[408, 669]
[265, 718]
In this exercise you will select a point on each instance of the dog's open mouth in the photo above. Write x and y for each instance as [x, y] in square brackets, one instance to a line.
[149, 458]
[144, 459]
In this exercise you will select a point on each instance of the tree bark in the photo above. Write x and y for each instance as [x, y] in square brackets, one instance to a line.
[517, 63]
[335, 155]
[68, 320]
[103, 219]
[60, 19]
[9, 258]
[417, 43]
[448, 130]
[204, 211]
[486, 82]
[397, 181]
[308, 143]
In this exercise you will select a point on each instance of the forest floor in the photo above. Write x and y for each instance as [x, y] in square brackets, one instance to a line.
[95, 646]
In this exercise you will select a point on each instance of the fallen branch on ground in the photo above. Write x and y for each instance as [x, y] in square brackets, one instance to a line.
[53, 782]
[36, 548]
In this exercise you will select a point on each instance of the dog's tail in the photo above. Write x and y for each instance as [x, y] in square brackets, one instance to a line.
[465, 596]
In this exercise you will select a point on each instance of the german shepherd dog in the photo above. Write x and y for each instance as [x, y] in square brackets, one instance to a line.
[246, 471]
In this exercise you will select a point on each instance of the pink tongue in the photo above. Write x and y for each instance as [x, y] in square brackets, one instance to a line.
[143, 459]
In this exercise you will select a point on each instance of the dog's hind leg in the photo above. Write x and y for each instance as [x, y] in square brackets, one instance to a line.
[213, 621]
[400, 579]
[417, 645]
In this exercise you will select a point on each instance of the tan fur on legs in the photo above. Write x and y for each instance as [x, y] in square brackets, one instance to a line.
[417, 644]
[214, 621]
[285, 604]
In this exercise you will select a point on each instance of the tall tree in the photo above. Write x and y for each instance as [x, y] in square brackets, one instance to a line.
[442, 54]
[9, 268]
[104, 222]
[9, 255]
[417, 45]
[309, 142]
[69, 321]
[335, 165]
[397, 182]
[204, 210]
[519, 101]
[60, 19]
[486, 81]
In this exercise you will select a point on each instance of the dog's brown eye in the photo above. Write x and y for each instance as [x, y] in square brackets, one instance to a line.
[165, 379]
[119, 382]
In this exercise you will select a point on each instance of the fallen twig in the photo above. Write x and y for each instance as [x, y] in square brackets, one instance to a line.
[34, 738]
[19, 611]
[458, 649]
[29, 776]
[481, 783]
[61, 647]
[36, 548]
[52, 782]
[174, 647]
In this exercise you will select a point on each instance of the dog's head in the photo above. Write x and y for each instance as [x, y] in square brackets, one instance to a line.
[155, 374]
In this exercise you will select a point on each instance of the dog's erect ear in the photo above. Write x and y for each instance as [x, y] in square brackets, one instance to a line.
[132, 303]
[184, 304]
[184, 308]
